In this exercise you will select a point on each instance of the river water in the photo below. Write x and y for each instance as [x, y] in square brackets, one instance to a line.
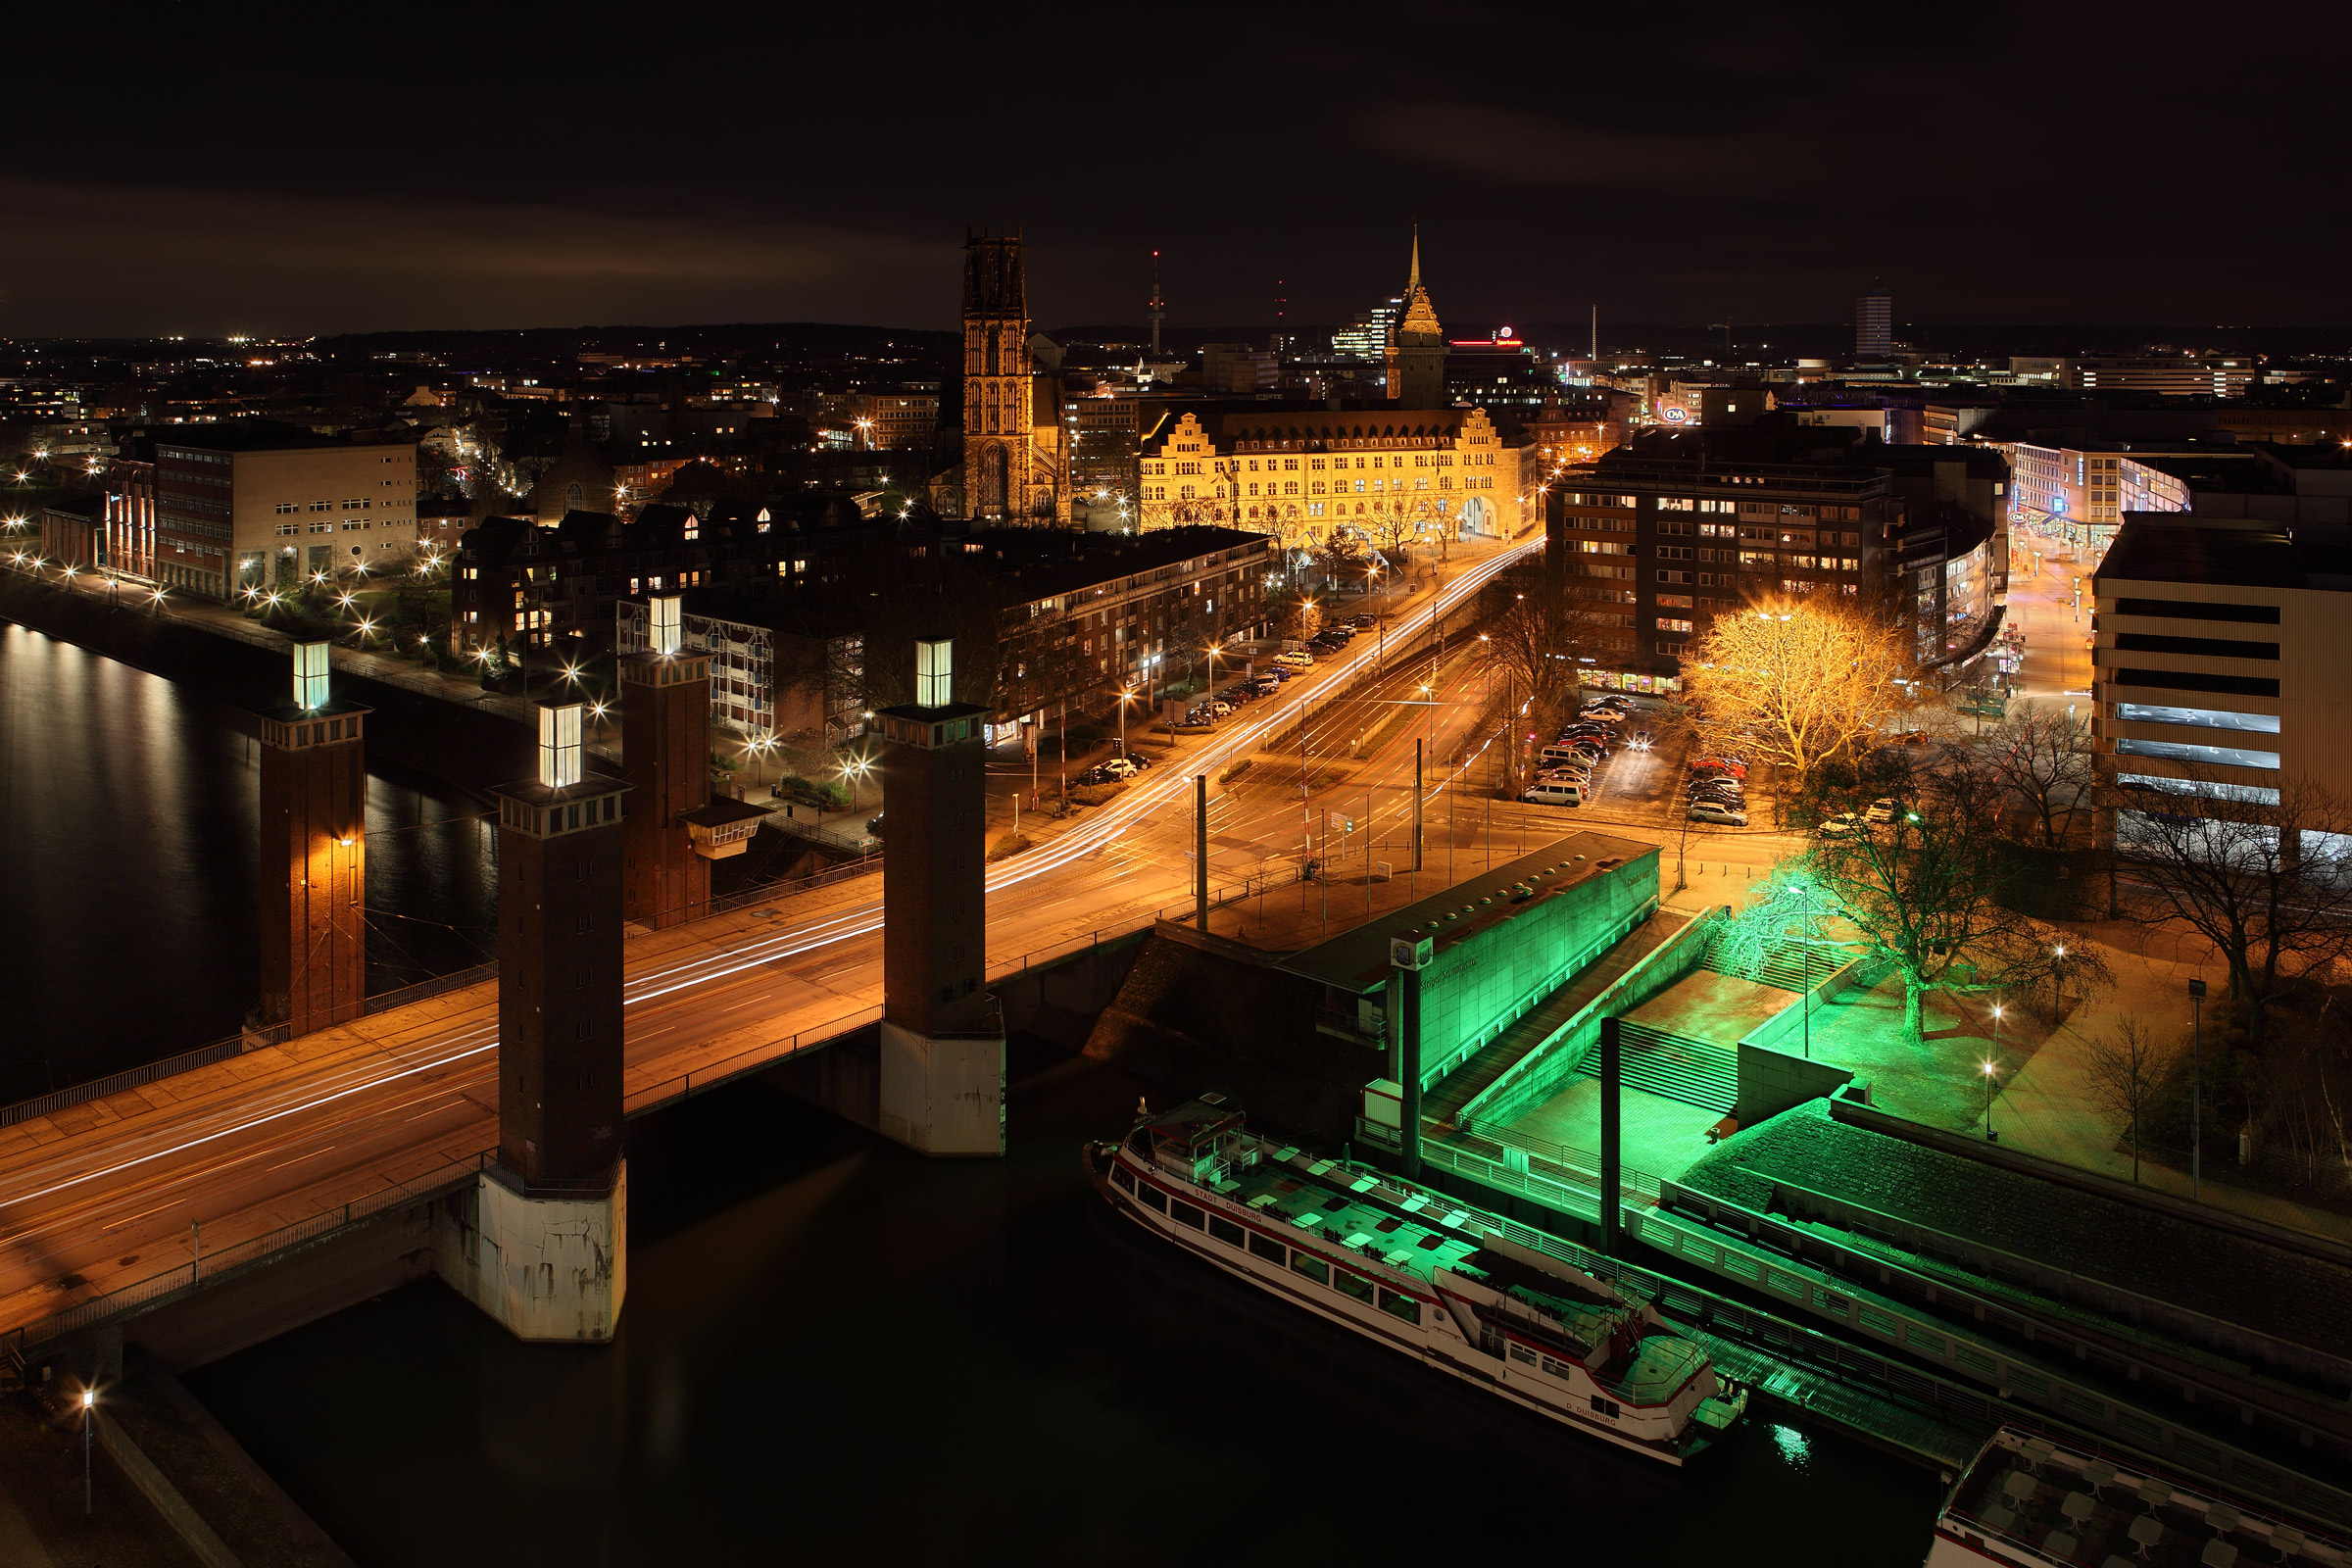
[833, 1350]
[128, 817]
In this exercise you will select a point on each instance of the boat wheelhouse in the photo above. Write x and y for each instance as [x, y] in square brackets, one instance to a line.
[1414, 1270]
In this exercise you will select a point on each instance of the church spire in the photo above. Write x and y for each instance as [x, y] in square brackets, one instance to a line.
[1414, 281]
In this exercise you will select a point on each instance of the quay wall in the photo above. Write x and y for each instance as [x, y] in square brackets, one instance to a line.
[469, 746]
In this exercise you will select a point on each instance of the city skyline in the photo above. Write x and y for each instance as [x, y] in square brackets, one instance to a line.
[1738, 161]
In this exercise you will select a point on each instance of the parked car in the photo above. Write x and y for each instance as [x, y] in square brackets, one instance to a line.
[1553, 794]
[1845, 826]
[1361, 622]
[1295, 659]
[1117, 767]
[1717, 812]
[1720, 764]
[1139, 760]
[1880, 810]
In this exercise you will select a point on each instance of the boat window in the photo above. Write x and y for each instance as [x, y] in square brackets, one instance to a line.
[1355, 1285]
[1558, 1369]
[1123, 1176]
[1140, 1142]
[1267, 1248]
[1152, 1197]
[1403, 1307]
[1184, 1214]
[1607, 1407]
[1225, 1230]
[1520, 1352]
[1313, 1267]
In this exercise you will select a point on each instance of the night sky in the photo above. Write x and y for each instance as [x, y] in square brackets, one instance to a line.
[324, 169]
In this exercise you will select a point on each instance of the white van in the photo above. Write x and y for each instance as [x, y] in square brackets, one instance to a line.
[1553, 794]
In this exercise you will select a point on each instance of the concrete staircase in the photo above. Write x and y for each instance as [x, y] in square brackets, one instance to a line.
[1782, 965]
[1696, 1072]
[1443, 1101]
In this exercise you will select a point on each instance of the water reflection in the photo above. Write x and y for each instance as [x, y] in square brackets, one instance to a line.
[126, 867]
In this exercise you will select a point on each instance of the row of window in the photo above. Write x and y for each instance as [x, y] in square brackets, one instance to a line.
[1309, 1266]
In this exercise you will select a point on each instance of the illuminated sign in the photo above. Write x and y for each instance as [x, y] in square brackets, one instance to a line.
[1672, 414]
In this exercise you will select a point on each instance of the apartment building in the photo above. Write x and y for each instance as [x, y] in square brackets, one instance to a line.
[778, 669]
[1676, 527]
[1084, 617]
[253, 504]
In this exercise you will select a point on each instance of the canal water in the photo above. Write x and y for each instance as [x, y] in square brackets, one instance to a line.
[834, 1351]
[127, 872]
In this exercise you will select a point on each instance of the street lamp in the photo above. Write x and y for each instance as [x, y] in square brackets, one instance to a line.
[2057, 992]
[89, 1414]
[1125, 696]
[2196, 1090]
[1212, 651]
[1988, 1066]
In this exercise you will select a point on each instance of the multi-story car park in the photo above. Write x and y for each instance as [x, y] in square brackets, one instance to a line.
[254, 504]
[2222, 638]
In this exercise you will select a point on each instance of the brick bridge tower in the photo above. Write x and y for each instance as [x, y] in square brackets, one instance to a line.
[942, 1078]
[544, 1246]
[313, 853]
[665, 757]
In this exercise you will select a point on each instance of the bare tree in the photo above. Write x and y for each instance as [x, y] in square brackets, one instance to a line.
[2043, 754]
[2266, 881]
[1925, 892]
[1537, 637]
[1340, 556]
[2125, 1066]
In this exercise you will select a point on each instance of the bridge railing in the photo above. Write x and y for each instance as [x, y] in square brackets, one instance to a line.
[114, 1083]
[240, 1255]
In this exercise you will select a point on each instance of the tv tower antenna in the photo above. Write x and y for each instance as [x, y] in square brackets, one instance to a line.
[1159, 306]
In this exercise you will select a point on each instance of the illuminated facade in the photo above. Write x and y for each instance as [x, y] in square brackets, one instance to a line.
[1015, 462]
[241, 507]
[1304, 473]
[1416, 347]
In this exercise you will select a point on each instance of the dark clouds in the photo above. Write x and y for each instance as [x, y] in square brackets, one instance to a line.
[294, 169]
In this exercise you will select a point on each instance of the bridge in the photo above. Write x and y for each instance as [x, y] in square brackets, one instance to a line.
[117, 1201]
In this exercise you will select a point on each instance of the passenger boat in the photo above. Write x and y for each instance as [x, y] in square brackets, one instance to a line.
[2040, 1503]
[1418, 1272]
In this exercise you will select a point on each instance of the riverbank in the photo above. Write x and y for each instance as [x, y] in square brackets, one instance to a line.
[470, 746]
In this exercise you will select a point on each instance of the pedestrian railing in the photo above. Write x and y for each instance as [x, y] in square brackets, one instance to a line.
[221, 1262]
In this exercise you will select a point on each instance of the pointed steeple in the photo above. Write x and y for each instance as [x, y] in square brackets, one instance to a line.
[1414, 281]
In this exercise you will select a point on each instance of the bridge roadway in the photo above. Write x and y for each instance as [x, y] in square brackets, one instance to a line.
[116, 1191]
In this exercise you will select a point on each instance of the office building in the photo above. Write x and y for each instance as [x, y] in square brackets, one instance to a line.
[255, 504]
[1305, 470]
[1874, 323]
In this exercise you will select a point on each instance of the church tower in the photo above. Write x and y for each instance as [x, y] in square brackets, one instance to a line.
[1417, 347]
[1010, 451]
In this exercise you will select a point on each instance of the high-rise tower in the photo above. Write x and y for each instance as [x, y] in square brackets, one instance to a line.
[1416, 347]
[543, 1246]
[1159, 306]
[665, 752]
[313, 853]
[1012, 465]
[1874, 323]
[943, 1049]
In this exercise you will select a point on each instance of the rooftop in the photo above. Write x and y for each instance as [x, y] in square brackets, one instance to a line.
[1358, 959]
[2151, 548]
